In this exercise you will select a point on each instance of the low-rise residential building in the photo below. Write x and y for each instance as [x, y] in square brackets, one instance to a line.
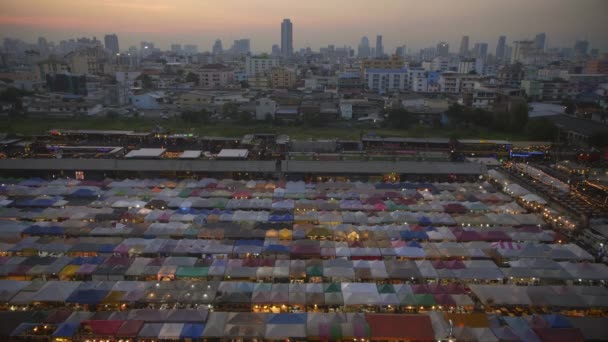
[127, 78]
[597, 65]
[215, 76]
[150, 100]
[259, 64]
[194, 100]
[386, 80]
[395, 62]
[60, 105]
[88, 61]
[282, 78]
[356, 108]
[350, 82]
[259, 81]
[455, 83]
[511, 75]
[52, 66]
[265, 108]
[466, 66]
[287, 113]
[555, 90]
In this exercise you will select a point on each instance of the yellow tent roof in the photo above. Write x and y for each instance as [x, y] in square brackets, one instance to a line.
[69, 270]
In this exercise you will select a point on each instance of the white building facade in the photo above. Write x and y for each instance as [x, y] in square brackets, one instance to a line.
[386, 80]
[256, 65]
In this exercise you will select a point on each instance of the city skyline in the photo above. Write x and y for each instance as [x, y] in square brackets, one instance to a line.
[194, 22]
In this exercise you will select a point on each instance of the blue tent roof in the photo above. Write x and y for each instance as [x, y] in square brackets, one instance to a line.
[281, 218]
[259, 243]
[424, 221]
[43, 230]
[192, 330]
[84, 193]
[36, 181]
[88, 260]
[414, 244]
[557, 321]
[287, 318]
[22, 328]
[66, 330]
[87, 296]
[276, 249]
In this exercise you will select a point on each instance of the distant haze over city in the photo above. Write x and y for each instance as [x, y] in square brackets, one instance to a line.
[316, 23]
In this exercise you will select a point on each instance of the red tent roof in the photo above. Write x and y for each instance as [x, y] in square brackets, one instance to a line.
[401, 327]
[103, 328]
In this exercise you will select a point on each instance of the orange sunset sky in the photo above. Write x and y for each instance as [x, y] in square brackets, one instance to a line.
[316, 22]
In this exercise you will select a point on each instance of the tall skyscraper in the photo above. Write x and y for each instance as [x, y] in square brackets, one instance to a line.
[539, 41]
[286, 38]
[581, 47]
[276, 50]
[400, 51]
[464, 46]
[443, 49]
[191, 49]
[176, 48]
[111, 43]
[241, 46]
[217, 47]
[43, 45]
[522, 49]
[500, 48]
[379, 47]
[363, 51]
[480, 50]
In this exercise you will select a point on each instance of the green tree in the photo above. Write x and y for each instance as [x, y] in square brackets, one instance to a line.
[480, 117]
[201, 116]
[112, 114]
[400, 118]
[192, 77]
[244, 118]
[518, 117]
[456, 113]
[541, 129]
[230, 110]
[15, 96]
[312, 118]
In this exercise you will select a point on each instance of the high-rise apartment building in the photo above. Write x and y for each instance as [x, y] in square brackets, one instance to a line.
[176, 48]
[500, 48]
[539, 41]
[364, 50]
[464, 46]
[443, 49]
[241, 46]
[379, 47]
[111, 43]
[581, 47]
[217, 47]
[480, 50]
[286, 38]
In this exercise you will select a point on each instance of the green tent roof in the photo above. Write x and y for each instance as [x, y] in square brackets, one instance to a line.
[333, 287]
[314, 271]
[191, 272]
[386, 288]
[424, 299]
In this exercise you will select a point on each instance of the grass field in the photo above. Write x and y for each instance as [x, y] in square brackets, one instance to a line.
[34, 126]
